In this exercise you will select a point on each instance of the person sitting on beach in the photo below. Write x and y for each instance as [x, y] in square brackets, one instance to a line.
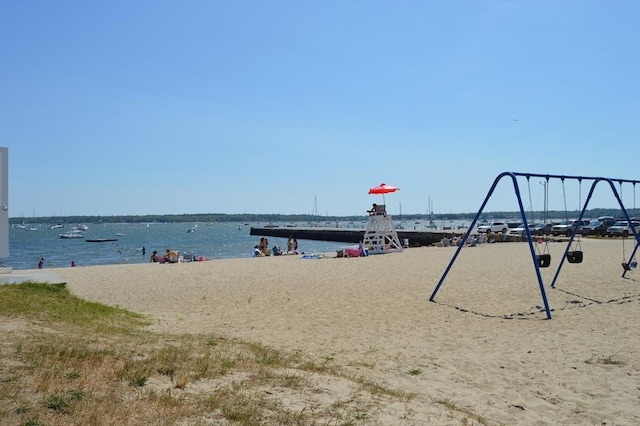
[290, 244]
[446, 241]
[264, 244]
[167, 256]
[154, 257]
[275, 250]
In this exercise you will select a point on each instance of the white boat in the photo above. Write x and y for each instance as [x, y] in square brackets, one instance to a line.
[56, 226]
[72, 234]
[82, 227]
[194, 229]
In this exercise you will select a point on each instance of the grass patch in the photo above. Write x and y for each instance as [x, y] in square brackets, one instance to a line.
[68, 361]
[605, 360]
[53, 302]
[453, 407]
[414, 372]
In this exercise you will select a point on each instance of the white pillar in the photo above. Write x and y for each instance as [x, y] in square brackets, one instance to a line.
[4, 202]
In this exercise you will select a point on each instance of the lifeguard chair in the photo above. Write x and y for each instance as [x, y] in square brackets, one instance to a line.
[380, 235]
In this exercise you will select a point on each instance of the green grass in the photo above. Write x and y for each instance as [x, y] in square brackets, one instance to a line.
[605, 360]
[68, 361]
[453, 407]
[53, 302]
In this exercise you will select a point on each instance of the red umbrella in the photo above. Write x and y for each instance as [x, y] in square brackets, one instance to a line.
[383, 188]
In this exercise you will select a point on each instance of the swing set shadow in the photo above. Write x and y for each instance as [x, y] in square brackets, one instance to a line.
[572, 253]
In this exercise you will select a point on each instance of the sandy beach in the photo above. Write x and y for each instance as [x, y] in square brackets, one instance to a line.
[485, 344]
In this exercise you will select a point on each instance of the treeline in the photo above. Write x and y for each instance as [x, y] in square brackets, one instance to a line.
[280, 218]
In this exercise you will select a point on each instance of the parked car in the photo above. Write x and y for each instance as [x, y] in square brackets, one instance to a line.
[622, 228]
[520, 230]
[541, 228]
[597, 228]
[567, 227]
[494, 227]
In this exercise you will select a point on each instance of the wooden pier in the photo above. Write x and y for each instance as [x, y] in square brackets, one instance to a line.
[351, 235]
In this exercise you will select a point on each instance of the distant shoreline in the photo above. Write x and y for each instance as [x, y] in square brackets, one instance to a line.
[252, 218]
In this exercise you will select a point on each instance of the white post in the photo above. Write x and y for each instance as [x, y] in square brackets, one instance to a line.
[4, 202]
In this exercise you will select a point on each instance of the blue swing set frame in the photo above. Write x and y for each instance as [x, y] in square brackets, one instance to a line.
[514, 177]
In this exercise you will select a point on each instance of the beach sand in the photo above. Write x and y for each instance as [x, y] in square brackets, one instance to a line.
[484, 344]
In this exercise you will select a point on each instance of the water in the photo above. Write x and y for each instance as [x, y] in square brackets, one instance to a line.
[224, 240]
[214, 241]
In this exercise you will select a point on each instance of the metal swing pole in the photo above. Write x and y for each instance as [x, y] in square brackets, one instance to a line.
[633, 253]
[466, 235]
[626, 215]
[532, 249]
[475, 219]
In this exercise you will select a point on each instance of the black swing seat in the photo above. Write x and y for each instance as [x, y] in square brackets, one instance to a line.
[574, 256]
[630, 266]
[544, 260]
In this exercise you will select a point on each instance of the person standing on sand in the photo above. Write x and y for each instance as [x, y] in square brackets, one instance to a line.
[41, 263]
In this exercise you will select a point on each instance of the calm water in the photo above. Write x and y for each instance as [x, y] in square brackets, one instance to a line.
[215, 241]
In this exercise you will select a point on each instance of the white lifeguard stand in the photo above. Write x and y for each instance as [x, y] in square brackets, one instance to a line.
[381, 236]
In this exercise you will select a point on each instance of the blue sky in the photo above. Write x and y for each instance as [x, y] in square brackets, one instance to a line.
[169, 107]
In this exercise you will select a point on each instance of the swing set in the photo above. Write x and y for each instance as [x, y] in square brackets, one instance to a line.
[573, 252]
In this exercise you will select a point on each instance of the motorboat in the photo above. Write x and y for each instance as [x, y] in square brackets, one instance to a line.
[72, 234]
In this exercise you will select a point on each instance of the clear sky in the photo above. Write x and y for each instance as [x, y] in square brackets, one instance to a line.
[169, 107]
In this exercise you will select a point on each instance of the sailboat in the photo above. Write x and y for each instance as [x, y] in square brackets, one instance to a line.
[314, 213]
[432, 223]
[34, 226]
[399, 225]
